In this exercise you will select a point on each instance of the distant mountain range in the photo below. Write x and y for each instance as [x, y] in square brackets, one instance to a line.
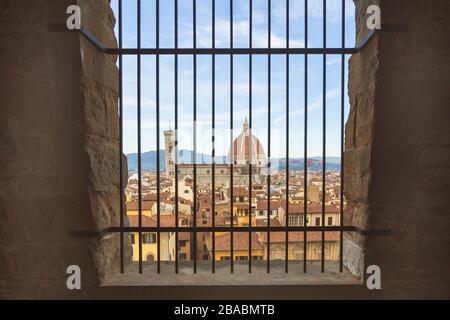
[185, 156]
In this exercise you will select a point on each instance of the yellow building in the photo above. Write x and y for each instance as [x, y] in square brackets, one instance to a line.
[295, 248]
[313, 218]
[241, 212]
[240, 246]
[133, 208]
[149, 239]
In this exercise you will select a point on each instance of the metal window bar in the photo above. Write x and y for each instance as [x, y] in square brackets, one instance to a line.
[176, 141]
[286, 236]
[324, 133]
[121, 186]
[139, 132]
[341, 203]
[158, 156]
[213, 138]
[269, 124]
[194, 10]
[250, 101]
[231, 142]
[269, 51]
[305, 156]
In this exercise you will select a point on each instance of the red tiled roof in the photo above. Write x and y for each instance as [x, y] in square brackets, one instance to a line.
[220, 221]
[263, 223]
[274, 204]
[298, 236]
[241, 205]
[134, 205]
[240, 241]
[242, 192]
[165, 221]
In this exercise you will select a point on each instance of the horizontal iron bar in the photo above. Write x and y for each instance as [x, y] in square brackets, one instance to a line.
[86, 33]
[92, 234]
[252, 229]
[210, 51]
[228, 51]
[227, 229]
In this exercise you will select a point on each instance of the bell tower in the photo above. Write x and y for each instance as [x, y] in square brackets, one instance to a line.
[169, 138]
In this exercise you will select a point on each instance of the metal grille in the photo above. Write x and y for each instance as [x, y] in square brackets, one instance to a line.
[231, 52]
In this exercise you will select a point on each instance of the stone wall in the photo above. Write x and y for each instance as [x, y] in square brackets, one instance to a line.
[59, 143]
[59, 156]
[397, 150]
[359, 134]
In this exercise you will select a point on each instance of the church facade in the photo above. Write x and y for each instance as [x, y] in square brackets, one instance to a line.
[246, 150]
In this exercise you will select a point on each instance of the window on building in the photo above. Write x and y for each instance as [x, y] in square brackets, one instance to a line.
[293, 221]
[241, 258]
[330, 221]
[149, 238]
[317, 221]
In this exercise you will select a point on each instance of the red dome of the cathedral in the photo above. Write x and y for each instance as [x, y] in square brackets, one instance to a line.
[247, 146]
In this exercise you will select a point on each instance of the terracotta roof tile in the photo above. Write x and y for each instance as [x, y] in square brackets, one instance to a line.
[134, 205]
[240, 241]
[298, 236]
[165, 221]
[263, 223]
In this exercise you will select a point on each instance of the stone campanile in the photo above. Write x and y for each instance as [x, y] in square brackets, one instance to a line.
[169, 138]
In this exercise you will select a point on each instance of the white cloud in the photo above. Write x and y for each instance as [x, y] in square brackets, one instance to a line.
[333, 62]
[240, 31]
[315, 9]
[315, 104]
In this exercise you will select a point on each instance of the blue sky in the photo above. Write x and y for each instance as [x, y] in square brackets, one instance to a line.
[241, 74]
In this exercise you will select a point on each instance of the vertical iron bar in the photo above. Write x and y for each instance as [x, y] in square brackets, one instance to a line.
[341, 203]
[158, 129]
[269, 98]
[194, 4]
[286, 254]
[213, 137]
[250, 133]
[306, 162]
[122, 266]
[231, 140]
[176, 141]
[139, 132]
[324, 96]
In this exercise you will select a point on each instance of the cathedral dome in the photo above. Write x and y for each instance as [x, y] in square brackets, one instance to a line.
[245, 147]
